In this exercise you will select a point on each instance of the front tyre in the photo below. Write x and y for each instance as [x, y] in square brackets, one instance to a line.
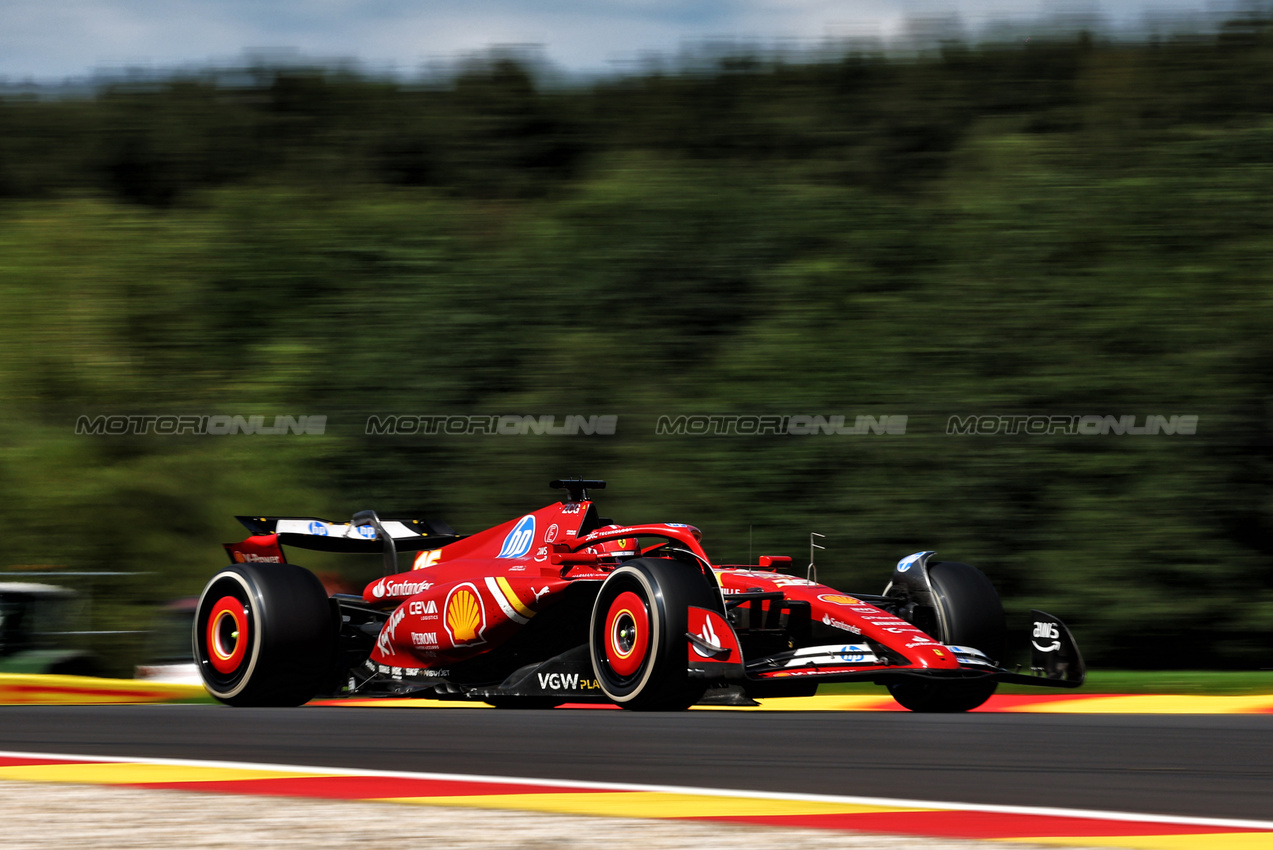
[971, 615]
[637, 635]
[264, 635]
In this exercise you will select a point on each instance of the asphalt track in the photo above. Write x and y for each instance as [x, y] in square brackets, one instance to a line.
[1197, 765]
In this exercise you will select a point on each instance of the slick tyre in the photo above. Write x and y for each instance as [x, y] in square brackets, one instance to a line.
[637, 635]
[971, 615]
[264, 635]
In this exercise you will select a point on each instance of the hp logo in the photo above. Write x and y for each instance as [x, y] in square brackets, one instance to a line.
[518, 541]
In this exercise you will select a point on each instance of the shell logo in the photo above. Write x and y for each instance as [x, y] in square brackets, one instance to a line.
[839, 599]
[465, 615]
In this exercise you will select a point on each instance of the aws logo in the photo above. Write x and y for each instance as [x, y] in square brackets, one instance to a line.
[518, 541]
[1046, 631]
[465, 618]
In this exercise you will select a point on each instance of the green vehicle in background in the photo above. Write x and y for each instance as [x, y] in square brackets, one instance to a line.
[35, 621]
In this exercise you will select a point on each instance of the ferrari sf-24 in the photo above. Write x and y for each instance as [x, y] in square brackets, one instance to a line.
[563, 605]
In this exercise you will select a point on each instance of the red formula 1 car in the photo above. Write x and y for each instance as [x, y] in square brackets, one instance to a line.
[562, 605]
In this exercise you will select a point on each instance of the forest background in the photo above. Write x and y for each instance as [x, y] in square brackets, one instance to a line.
[1069, 226]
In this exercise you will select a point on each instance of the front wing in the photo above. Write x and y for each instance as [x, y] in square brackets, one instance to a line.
[1055, 660]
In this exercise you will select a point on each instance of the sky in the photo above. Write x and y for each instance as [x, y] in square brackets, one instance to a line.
[52, 40]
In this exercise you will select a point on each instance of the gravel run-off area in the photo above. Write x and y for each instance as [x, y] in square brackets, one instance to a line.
[45, 816]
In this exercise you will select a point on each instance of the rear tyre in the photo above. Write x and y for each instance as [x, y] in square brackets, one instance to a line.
[637, 635]
[264, 635]
[971, 615]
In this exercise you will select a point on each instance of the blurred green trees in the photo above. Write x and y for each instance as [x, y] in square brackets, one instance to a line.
[1068, 227]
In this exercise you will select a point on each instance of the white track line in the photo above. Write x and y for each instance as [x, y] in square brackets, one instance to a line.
[667, 789]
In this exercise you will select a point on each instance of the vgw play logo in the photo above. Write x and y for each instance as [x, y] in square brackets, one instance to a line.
[518, 541]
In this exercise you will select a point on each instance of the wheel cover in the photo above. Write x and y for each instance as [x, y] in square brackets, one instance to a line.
[627, 634]
[227, 634]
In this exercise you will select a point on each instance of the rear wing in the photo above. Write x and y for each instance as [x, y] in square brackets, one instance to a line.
[366, 533]
[408, 534]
